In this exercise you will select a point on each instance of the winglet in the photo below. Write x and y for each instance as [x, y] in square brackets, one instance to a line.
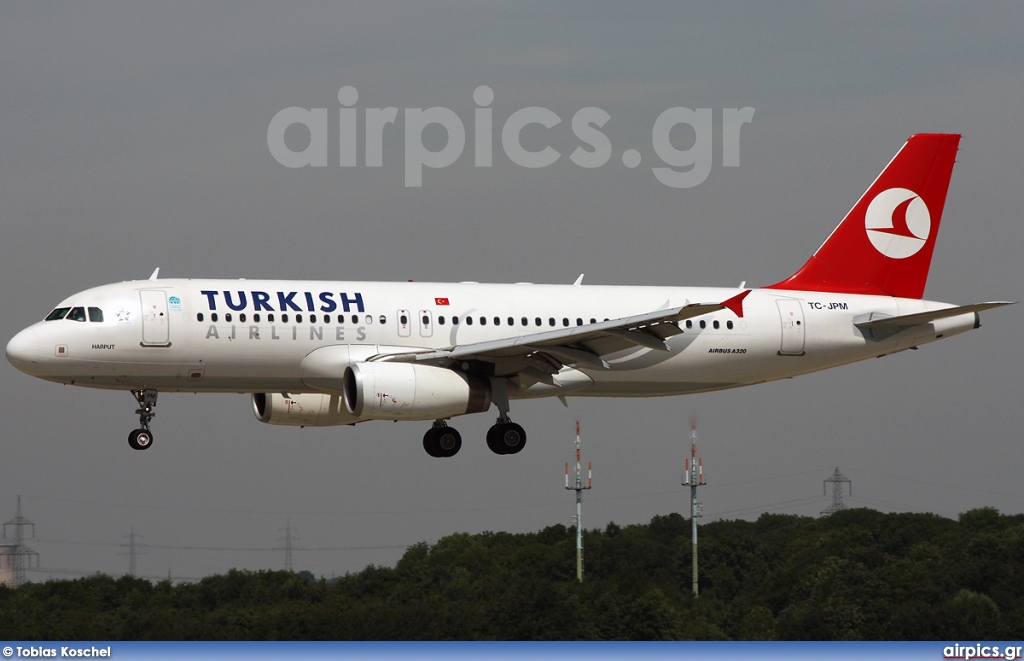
[156, 274]
[579, 280]
[736, 303]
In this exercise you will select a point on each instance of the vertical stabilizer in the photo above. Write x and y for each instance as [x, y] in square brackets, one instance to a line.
[884, 245]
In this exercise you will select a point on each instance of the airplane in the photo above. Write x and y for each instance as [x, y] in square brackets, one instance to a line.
[321, 353]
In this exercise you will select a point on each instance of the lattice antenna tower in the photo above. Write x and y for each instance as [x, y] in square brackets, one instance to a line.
[837, 479]
[579, 488]
[23, 555]
[694, 478]
[133, 550]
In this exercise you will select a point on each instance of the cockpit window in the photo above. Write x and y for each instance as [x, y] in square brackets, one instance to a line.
[76, 314]
[95, 315]
[59, 313]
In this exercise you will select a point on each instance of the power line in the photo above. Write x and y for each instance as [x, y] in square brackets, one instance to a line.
[171, 547]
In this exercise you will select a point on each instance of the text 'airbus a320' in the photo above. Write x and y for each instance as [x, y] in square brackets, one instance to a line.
[323, 353]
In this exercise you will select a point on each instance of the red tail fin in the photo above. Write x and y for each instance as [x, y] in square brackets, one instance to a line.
[884, 245]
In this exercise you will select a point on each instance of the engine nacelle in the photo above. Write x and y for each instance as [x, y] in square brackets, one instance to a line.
[405, 391]
[301, 410]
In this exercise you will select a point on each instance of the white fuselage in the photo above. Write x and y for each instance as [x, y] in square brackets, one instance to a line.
[251, 336]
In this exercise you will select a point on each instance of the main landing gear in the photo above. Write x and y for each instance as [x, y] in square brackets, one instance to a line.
[142, 438]
[504, 437]
[442, 440]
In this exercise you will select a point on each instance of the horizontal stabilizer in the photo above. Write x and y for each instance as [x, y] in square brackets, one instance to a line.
[894, 324]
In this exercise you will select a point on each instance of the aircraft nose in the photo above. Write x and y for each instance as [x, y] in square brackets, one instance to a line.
[23, 350]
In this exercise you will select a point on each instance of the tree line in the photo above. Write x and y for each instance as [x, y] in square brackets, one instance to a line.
[857, 574]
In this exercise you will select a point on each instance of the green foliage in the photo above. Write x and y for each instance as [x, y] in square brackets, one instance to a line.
[857, 574]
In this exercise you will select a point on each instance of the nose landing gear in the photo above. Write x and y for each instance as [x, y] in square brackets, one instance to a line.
[142, 438]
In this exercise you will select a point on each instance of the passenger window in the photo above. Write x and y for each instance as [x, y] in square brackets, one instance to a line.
[403, 319]
[213, 317]
[579, 322]
[327, 318]
[565, 321]
[440, 320]
[703, 324]
[483, 321]
[199, 317]
[312, 319]
[551, 321]
[270, 317]
[689, 323]
[715, 324]
[298, 318]
[59, 313]
[469, 321]
[241, 317]
[426, 320]
[511, 321]
[355, 319]
[383, 319]
[256, 318]
[537, 321]
[455, 321]
[497, 321]
[76, 314]
[227, 316]
[95, 315]
[369, 320]
[284, 318]
[593, 321]
[524, 321]
[728, 324]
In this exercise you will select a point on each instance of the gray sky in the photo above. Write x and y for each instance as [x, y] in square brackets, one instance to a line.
[134, 135]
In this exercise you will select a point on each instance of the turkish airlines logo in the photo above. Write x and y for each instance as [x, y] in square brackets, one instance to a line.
[898, 223]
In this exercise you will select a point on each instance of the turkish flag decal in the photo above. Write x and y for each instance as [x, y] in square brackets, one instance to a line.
[440, 301]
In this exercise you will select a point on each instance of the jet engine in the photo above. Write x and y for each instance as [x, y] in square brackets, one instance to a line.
[405, 391]
[301, 410]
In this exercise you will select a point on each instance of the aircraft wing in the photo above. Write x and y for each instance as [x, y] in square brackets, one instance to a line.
[544, 353]
[884, 325]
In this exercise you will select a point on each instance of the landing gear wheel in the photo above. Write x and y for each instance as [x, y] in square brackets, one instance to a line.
[140, 439]
[442, 441]
[449, 441]
[492, 440]
[506, 438]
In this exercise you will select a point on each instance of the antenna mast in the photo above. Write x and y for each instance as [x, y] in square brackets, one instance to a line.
[579, 488]
[694, 477]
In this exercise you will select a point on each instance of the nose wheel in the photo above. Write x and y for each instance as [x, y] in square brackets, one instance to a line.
[142, 438]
